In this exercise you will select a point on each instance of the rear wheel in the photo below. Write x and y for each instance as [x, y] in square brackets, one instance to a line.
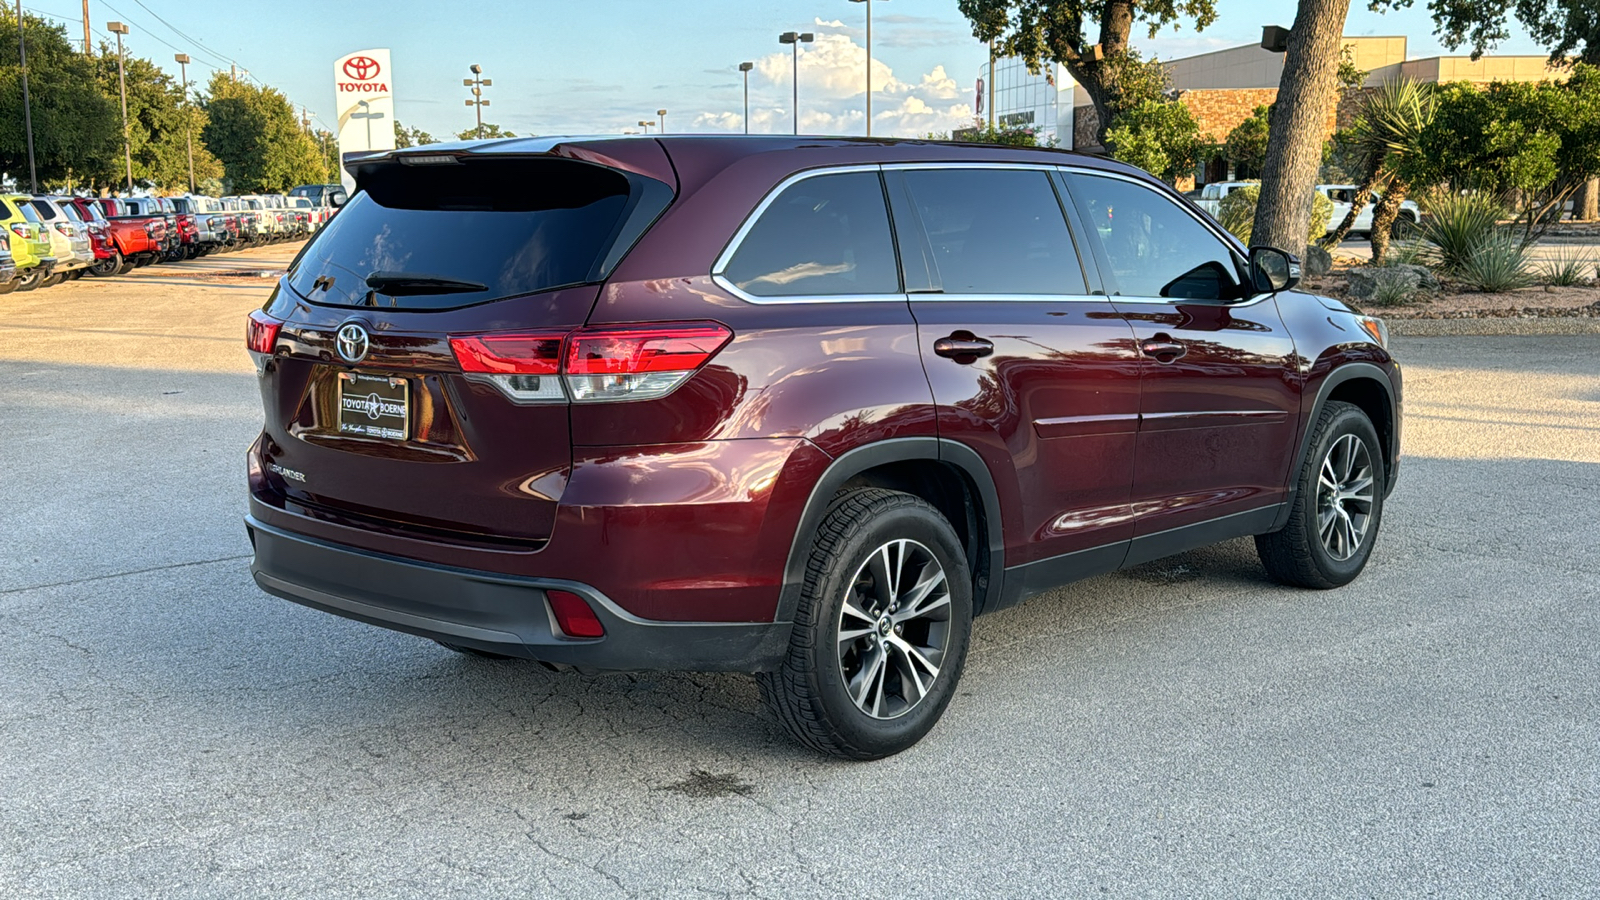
[28, 280]
[108, 266]
[1338, 505]
[7, 287]
[53, 279]
[881, 631]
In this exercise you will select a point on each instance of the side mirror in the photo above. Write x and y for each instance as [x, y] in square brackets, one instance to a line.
[1273, 270]
[338, 198]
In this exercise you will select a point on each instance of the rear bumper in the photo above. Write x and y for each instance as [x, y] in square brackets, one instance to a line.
[497, 613]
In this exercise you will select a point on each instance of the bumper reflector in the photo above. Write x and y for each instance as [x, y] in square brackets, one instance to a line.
[574, 616]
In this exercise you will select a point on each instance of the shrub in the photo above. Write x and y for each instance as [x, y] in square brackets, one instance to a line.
[1238, 214]
[1409, 253]
[1567, 268]
[1392, 290]
[1457, 224]
[1497, 263]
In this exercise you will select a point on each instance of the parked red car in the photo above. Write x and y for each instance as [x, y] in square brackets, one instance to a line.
[794, 406]
[108, 260]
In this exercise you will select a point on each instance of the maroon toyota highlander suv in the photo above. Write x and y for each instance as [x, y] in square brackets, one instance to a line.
[795, 406]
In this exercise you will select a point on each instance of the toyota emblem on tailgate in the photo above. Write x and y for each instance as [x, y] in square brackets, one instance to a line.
[353, 343]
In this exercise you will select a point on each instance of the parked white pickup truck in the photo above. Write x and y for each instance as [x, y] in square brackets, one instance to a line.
[1343, 194]
[1211, 195]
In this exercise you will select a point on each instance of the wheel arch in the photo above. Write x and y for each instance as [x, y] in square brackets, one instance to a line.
[948, 475]
[1368, 387]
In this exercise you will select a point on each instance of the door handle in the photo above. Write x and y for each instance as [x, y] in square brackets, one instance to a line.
[1164, 349]
[962, 347]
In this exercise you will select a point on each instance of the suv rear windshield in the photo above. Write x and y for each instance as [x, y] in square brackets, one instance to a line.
[483, 229]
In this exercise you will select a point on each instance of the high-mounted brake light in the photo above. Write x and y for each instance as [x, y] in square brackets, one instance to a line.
[261, 331]
[430, 159]
[638, 362]
[629, 362]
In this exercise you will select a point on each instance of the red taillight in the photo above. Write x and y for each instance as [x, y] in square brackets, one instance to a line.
[630, 362]
[261, 331]
[573, 615]
[20, 229]
[534, 353]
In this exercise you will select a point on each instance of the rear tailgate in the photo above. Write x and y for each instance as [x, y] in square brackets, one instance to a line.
[370, 418]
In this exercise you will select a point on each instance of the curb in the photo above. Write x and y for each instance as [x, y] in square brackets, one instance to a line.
[1493, 326]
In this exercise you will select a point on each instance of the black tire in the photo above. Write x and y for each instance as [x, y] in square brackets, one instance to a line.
[809, 694]
[53, 279]
[1403, 228]
[7, 287]
[100, 268]
[1301, 554]
[29, 280]
[472, 651]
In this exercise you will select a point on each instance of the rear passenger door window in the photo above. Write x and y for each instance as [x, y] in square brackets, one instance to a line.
[1149, 246]
[823, 236]
[995, 231]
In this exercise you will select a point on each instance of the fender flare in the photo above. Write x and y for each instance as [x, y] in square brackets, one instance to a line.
[1343, 373]
[852, 463]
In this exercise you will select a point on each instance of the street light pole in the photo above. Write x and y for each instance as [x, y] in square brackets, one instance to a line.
[663, 114]
[27, 101]
[188, 136]
[477, 82]
[369, 115]
[869, 63]
[645, 125]
[745, 67]
[795, 39]
[119, 30]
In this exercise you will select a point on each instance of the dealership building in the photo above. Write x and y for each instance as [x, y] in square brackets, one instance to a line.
[1224, 87]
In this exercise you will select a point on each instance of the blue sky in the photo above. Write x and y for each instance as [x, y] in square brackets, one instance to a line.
[602, 65]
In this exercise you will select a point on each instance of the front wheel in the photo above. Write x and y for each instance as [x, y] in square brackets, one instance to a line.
[881, 631]
[1338, 505]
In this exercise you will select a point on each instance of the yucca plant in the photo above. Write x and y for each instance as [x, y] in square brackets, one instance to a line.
[1390, 289]
[1457, 224]
[1497, 263]
[1410, 253]
[1569, 266]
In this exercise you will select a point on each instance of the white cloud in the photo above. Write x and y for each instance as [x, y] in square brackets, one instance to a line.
[938, 85]
[834, 66]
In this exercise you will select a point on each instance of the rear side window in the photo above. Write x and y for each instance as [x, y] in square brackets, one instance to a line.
[28, 212]
[996, 231]
[822, 236]
[446, 236]
[46, 211]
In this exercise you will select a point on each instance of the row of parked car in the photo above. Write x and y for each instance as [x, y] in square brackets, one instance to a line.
[49, 239]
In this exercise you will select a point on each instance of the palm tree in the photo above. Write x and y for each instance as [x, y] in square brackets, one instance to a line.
[1385, 132]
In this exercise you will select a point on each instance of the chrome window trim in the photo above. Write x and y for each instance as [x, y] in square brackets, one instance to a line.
[968, 164]
[1206, 222]
[750, 221]
[1009, 298]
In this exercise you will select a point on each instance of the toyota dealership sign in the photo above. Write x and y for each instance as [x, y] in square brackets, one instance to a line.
[364, 97]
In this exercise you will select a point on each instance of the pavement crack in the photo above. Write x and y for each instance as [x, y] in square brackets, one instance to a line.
[93, 578]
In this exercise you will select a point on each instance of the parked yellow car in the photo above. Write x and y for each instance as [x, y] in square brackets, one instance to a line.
[30, 246]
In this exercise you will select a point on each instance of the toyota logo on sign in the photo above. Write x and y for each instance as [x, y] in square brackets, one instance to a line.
[362, 68]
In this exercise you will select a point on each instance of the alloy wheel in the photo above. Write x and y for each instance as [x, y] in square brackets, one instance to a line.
[894, 629]
[1345, 487]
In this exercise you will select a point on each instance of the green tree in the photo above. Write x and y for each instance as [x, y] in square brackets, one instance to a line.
[1536, 141]
[490, 130]
[253, 130]
[1059, 31]
[1570, 28]
[160, 124]
[75, 125]
[1247, 143]
[1159, 136]
[1381, 143]
[411, 137]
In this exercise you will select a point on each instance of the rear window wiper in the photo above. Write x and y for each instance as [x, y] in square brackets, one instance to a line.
[406, 284]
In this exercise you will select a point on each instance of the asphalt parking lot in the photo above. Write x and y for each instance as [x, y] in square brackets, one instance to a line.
[1184, 729]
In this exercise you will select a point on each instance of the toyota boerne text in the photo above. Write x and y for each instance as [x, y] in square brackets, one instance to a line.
[801, 407]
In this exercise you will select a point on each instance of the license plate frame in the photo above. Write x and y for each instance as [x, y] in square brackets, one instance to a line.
[374, 406]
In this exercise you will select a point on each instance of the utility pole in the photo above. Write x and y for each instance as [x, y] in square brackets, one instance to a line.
[88, 49]
[188, 136]
[119, 30]
[745, 67]
[991, 87]
[795, 39]
[477, 82]
[27, 102]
